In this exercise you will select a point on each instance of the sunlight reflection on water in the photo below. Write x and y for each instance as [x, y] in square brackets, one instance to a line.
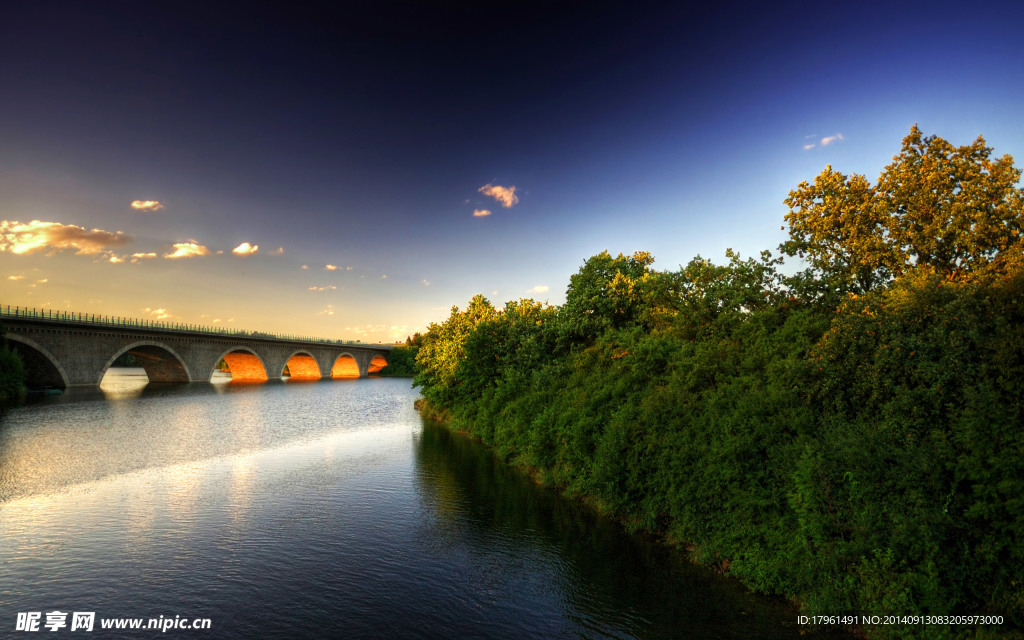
[305, 510]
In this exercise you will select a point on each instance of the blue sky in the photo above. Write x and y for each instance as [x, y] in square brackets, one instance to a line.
[332, 134]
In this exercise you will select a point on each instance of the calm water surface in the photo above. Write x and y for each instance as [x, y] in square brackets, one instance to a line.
[320, 510]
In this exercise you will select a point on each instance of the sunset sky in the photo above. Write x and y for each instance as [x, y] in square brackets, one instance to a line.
[352, 170]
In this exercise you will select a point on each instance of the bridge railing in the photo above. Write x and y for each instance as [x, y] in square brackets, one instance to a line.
[156, 325]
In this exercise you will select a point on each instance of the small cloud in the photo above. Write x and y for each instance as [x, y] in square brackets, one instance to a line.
[540, 288]
[505, 195]
[328, 311]
[327, 288]
[277, 252]
[305, 267]
[426, 283]
[383, 276]
[30, 237]
[824, 142]
[43, 281]
[143, 256]
[216, 320]
[245, 249]
[15, 277]
[330, 267]
[348, 268]
[147, 205]
[114, 259]
[481, 213]
[159, 314]
[190, 249]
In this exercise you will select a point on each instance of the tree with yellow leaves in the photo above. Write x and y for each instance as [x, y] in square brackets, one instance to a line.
[955, 212]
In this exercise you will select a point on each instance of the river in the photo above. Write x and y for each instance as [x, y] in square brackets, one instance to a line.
[318, 510]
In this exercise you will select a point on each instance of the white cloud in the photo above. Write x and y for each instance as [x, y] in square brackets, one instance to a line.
[159, 314]
[328, 311]
[245, 249]
[330, 267]
[115, 259]
[190, 249]
[827, 140]
[540, 288]
[505, 195]
[426, 283]
[147, 205]
[327, 288]
[481, 213]
[29, 237]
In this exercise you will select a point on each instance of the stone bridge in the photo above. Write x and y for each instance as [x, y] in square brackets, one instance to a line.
[75, 350]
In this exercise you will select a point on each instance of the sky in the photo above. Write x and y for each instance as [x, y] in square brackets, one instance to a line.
[352, 170]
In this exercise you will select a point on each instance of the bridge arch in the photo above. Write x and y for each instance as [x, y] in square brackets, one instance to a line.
[161, 362]
[302, 366]
[345, 366]
[378, 363]
[245, 365]
[41, 368]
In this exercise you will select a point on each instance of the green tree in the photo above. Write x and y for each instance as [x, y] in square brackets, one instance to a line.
[707, 291]
[608, 293]
[516, 341]
[401, 362]
[952, 211]
[444, 346]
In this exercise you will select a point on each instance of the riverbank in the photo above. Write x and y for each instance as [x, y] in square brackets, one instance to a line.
[862, 461]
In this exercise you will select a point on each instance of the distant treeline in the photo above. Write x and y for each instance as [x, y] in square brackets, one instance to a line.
[402, 359]
[849, 436]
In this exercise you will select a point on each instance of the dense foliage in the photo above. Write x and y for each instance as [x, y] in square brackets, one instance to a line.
[12, 374]
[849, 436]
[402, 358]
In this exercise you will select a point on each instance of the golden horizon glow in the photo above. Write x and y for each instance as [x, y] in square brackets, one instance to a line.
[377, 364]
[303, 367]
[345, 367]
[245, 367]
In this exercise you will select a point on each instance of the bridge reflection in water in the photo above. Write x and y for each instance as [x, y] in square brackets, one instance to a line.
[76, 350]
